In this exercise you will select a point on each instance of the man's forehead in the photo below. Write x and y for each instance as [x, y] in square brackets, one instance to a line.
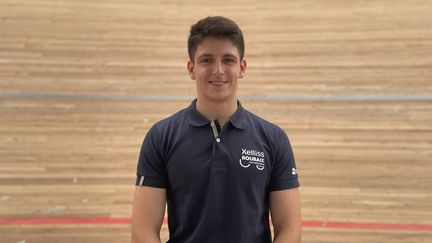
[213, 46]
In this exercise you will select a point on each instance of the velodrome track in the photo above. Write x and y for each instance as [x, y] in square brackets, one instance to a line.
[82, 81]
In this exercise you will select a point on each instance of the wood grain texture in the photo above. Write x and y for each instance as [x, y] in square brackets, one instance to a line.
[75, 156]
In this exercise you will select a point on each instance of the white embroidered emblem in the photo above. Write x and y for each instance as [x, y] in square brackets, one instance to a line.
[254, 157]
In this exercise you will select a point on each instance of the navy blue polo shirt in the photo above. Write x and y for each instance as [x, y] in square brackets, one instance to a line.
[217, 180]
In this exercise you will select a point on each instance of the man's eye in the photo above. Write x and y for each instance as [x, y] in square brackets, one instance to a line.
[229, 61]
[207, 60]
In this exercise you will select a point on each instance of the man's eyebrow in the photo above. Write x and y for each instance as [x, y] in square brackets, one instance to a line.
[205, 55]
[230, 55]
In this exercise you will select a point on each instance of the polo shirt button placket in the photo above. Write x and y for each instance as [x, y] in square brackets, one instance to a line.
[219, 153]
[214, 129]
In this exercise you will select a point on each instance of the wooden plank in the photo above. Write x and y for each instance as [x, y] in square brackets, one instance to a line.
[365, 161]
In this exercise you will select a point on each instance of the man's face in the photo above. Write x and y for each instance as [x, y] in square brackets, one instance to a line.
[216, 69]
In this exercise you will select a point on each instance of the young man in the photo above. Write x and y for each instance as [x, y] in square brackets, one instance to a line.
[219, 168]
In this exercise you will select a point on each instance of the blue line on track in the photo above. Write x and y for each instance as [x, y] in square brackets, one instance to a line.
[82, 96]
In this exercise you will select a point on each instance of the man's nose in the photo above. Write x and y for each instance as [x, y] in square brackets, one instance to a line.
[219, 68]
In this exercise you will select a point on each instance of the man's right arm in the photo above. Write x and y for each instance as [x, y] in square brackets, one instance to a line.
[148, 214]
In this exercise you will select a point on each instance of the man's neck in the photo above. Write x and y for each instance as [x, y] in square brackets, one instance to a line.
[217, 110]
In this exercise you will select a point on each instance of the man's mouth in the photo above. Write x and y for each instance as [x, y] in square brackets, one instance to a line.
[218, 83]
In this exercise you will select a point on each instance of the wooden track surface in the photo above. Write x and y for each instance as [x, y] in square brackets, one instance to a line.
[82, 81]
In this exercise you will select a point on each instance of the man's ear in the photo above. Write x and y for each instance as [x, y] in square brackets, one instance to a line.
[190, 68]
[243, 64]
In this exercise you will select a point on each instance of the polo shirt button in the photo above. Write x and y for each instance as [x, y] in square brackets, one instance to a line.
[218, 140]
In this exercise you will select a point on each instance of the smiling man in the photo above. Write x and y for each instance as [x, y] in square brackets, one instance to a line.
[219, 168]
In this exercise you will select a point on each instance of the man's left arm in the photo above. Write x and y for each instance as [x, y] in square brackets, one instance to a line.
[286, 215]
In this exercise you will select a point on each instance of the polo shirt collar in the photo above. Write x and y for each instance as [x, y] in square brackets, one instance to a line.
[196, 119]
[239, 120]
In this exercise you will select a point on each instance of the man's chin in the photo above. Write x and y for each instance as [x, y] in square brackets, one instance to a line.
[222, 98]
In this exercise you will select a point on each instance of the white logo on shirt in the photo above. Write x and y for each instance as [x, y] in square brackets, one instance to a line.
[252, 156]
[294, 171]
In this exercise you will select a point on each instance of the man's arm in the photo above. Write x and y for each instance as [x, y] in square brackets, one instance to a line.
[148, 214]
[286, 216]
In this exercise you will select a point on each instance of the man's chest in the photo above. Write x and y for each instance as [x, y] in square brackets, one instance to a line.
[241, 159]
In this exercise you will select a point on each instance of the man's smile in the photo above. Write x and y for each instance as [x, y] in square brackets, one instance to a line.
[218, 83]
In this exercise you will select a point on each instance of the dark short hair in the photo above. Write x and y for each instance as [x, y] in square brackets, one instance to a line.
[215, 26]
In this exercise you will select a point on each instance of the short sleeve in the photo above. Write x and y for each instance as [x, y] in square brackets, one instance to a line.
[151, 169]
[284, 172]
